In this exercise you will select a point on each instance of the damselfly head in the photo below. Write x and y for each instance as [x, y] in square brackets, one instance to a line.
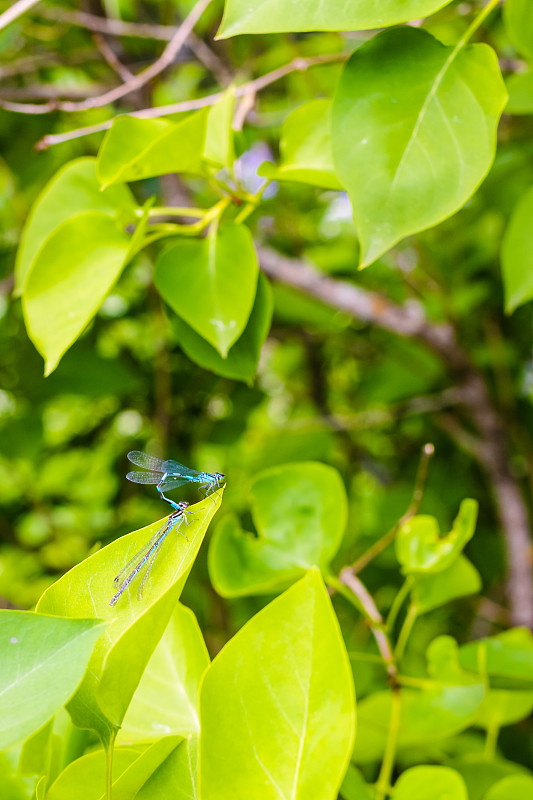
[183, 505]
[219, 476]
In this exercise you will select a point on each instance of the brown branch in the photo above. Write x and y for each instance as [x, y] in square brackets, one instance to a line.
[493, 452]
[134, 84]
[111, 57]
[297, 64]
[375, 621]
[15, 11]
[164, 33]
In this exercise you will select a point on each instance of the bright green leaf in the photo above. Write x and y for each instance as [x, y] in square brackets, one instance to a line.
[277, 704]
[241, 361]
[42, 660]
[420, 548]
[414, 132]
[276, 16]
[72, 190]
[136, 625]
[517, 255]
[177, 777]
[433, 590]
[84, 778]
[520, 88]
[166, 700]
[519, 25]
[481, 773]
[69, 279]
[514, 787]
[443, 663]
[219, 148]
[426, 716]
[299, 511]
[13, 786]
[354, 786]
[305, 147]
[430, 783]
[502, 707]
[36, 751]
[506, 655]
[211, 283]
[141, 148]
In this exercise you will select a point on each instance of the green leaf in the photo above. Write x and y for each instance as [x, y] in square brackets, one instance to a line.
[354, 786]
[141, 148]
[430, 783]
[514, 787]
[426, 716]
[506, 655]
[519, 25]
[166, 700]
[517, 255]
[42, 660]
[241, 362]
[443, 663]
[36, 751]
[211, 283]
[433, 590]
[481, 773]
[219, 149]
[276, 16]
[72, 190]
[177, 777]
[414, 132]
[277, 704]
[70, 277]
[84, 779]
[520, 88]
[305, 147]
[420, 548]
[14, 787]
[136, 624]
[299, 511]
[502, 707]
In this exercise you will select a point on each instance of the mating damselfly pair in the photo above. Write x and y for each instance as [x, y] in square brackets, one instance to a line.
[166, 475]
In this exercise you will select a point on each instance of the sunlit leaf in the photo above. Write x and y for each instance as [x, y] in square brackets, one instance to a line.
[42, 660]
[514, 787]
[219, 148]
[69, 279]
[305, 147]
[177, 777]
[433, 590]
[421, 549]
[275, 16]
[73, 190]
[414, 132]
[279, 693]
[211, 283]
[243, 356]
[166, 700]
[517, 255]
[506, 655]
[430, 783]
[299, 511]
[141, 148]
[136, 624]
[519, 25]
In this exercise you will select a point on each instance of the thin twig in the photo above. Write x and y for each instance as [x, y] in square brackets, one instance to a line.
[297, 64]
[18, 8]
[379, 546]
[111, 57]
[140, 30]
[134, 84]
[374, 618]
